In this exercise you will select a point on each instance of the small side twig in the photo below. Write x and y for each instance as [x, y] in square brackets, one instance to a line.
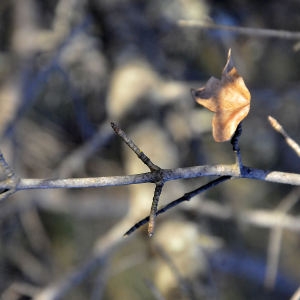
[278, 127]
[129, 142]
[185, 197]
[153, 211]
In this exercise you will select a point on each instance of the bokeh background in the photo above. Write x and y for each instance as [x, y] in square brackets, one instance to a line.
[68, 68]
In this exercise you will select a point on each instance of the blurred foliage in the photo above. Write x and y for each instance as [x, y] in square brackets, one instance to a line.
[68, 67]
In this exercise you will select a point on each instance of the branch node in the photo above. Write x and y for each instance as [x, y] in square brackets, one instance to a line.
[278, 127]
[159, 175]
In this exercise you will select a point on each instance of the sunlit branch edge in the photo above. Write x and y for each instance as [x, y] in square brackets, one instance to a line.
[150, 177]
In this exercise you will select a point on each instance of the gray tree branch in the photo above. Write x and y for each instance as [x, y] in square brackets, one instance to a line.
[150, 177]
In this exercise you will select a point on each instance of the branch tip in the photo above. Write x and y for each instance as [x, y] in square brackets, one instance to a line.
[129, 142]
[153, 211]
[278, 127]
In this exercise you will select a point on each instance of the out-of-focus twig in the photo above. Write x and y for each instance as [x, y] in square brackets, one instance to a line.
[154, 290]
[76, 160]
[104, 276]
[276, 237]
[258, 217]
[256, 32]
[296, 295]
[182, 282]
[18, 290]
[103, 249]
[34, 230]
[29, 265]
[278, 127]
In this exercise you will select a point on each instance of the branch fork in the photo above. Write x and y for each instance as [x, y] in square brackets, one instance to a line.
[160, 180]
[159, 175]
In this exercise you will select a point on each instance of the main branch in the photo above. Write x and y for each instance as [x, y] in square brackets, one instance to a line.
[167, 174]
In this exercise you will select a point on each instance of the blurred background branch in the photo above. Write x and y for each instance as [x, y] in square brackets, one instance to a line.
[68, 67]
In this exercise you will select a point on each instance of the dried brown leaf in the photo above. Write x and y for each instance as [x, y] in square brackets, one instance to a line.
[228, 98]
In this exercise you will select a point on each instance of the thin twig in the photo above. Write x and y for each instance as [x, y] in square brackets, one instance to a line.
[185, 197]
[159, 183]
[153, 211]
[278, 127]
[129, 142]
[256, 32]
